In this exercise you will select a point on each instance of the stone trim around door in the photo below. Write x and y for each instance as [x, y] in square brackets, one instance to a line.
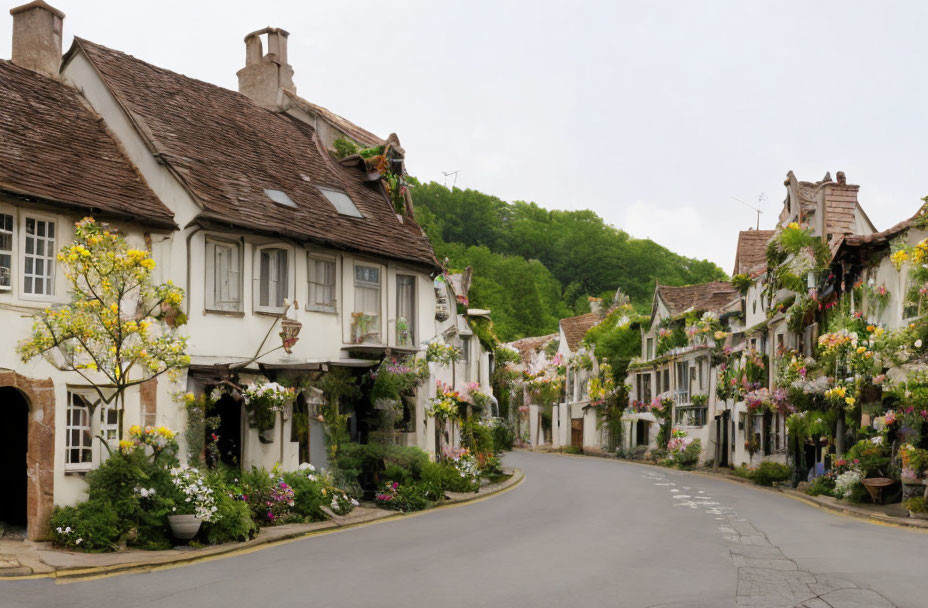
[40, 455]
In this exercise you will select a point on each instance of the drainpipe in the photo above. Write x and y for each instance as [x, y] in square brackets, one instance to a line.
[187, 286]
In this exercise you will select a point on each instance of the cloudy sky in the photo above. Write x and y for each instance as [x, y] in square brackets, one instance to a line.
[657, 115]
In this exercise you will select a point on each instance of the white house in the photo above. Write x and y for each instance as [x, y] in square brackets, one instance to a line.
[243, 204]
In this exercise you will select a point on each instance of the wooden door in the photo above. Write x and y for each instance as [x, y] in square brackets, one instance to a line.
[576, 433]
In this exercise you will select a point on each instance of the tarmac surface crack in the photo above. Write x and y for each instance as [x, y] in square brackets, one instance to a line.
[767, 578]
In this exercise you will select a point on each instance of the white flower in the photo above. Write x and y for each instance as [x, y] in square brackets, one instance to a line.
[918, 344]
[878, 440]
[78, 541]
[67, 530]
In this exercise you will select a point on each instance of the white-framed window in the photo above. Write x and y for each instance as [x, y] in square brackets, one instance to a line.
[223, 275]
[109, 428]
[321, 284]
[405, 310]
[273, 278]
[78, 433]
[6, 251]
[38, 256]
[366, 317]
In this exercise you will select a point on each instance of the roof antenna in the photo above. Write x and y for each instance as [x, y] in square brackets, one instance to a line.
[761, 198]
[447, 173]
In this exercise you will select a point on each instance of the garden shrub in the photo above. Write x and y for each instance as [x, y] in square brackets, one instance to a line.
[477, 437]
[768, 473]
[916, 505]
[688, 456]
[504, 436]
[406, 498]
[823, 485]
[398, 473]
[308, 498]
[365, 463]
[92, 525]
[233, 522]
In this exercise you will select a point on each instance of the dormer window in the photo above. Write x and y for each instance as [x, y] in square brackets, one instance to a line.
[341, 201]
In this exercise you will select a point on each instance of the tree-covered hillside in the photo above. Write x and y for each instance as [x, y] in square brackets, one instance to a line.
[533, 266]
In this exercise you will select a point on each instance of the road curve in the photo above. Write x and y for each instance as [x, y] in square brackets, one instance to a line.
[577, 532]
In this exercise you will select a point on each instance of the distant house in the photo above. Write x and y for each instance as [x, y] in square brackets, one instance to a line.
[575, 420]
[537, 357]
[678, 369]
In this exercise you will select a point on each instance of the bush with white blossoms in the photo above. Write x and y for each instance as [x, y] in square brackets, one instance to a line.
[845, 482]
[342, 504]
[464, 463]
[194, 497]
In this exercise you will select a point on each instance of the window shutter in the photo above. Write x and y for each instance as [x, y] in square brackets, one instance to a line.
[235, 278]
[265, 278]
[282, 278]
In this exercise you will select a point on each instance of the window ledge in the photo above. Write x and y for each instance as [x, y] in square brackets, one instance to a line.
[224, 313]
[270, 312]
[322, 309]
[78, 469]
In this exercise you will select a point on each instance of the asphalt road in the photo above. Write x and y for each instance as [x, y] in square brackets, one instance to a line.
[577, 532]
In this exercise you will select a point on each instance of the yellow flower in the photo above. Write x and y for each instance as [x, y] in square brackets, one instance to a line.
[114, 308]
[148, 263]
[135, 430]
[189, 398]
[126, 445]
[793, 226]
[861, 350]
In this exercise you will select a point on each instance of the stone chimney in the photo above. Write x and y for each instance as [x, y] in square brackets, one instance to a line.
[265, 74]
[37, 37]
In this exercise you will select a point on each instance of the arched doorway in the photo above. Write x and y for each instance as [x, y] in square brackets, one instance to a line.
[229, 430]
[14, 444]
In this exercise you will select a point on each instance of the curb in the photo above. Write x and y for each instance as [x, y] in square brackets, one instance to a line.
[76, 574]
[878, 519]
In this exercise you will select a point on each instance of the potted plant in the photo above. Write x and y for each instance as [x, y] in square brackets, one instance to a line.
[262, 402]
[193, 502]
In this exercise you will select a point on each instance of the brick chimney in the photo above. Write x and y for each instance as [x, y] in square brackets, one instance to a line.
[37, 37]
[840, 205]
[265, 74]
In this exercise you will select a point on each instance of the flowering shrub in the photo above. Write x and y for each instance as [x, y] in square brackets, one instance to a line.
[405, 497]
[439, 352]
[192, 495]
[388, 494]
[465, 465]
[847, 483]
[158, 439]
[683, 450]
[263, 401]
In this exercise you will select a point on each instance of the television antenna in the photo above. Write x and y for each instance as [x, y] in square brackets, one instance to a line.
[761, 198]
[454, 173]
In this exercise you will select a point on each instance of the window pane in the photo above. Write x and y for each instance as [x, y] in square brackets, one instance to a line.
[282, 282]
[264, 286]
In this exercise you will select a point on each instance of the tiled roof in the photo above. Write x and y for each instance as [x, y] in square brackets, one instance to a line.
[227, 150]
[527, 347]
[52, 147]
[752, 250]
[576, 327]
[715, 297]
[357, 134]
[880, 239]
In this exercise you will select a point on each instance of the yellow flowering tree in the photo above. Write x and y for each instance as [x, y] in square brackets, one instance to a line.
[119, 329]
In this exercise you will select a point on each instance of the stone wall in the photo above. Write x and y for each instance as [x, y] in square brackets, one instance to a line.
[40, 457]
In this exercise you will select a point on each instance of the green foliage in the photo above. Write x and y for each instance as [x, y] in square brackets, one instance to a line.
[617, 342]
[874, 457]
[345, 147]
[688, 457]
[823, 485]
[92, 526]
[308, 498]
[768, 473]
[365, 464]
[233, 522]
[534, 266]
[477, 437]
[916, 505]
[742, 283]
[504, 436]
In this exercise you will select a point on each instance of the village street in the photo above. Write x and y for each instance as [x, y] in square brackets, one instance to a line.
[578, 531]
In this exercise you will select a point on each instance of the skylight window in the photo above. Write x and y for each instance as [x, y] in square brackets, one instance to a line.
[280, 198]
[341, 201]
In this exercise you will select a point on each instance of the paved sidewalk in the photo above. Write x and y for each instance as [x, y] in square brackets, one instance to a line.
[20, 558]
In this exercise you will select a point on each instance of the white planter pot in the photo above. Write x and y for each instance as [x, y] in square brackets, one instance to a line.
[184, 527]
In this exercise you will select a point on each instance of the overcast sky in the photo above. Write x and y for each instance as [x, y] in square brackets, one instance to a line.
[654, 114]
